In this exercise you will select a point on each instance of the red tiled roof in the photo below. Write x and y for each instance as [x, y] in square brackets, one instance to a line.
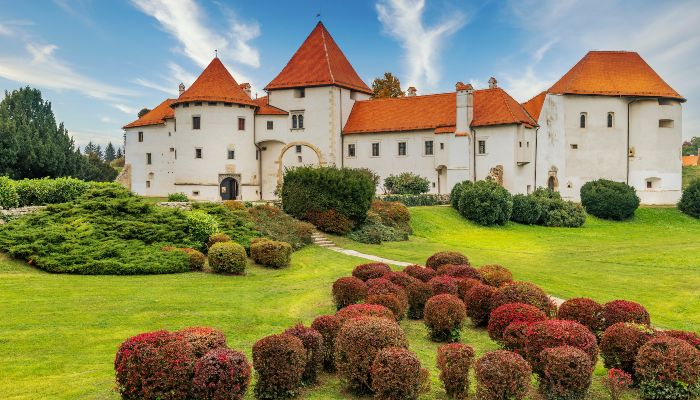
[534, 105]
[613, 73]
[215, 84]
[266, 109]
[496, 107]
[318, 62]
[691, 160]
[156, 116]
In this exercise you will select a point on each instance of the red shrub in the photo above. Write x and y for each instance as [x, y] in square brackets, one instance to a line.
[280, 361]
[553, 333]
[422, 273]
[668, 368]
[364, 310]
[446, 257]
[495, 275]
[506, 314]
[153, 366]
[390, 301]
[313, 344]
[397, 374]
[621, 342]
[400, 278]
[443, 284]
[195, 258]
[459, 271]
[479, 300]
[692, 338]
[222, 374]
[328, 326]
[502, 375]
[358, 343]
[464, 285]
[330, 221]
[587, 312]
[348, 290]
[617, 382]
[418, 294]
[384, 286]
[566, 373]
[515, 337]
[454, 361]
[202, 339]
[444, 316]
[370, 271]
[624, 311]
[526, 293]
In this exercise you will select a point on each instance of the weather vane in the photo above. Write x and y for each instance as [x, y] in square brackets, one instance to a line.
[216, 53]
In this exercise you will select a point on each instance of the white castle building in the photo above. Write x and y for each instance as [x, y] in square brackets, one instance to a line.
[611, 116]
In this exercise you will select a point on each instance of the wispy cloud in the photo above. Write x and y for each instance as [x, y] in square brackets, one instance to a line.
[78, 9]
[404, 20]
[125, 109]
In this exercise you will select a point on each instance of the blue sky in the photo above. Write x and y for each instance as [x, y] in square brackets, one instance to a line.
[99, 62]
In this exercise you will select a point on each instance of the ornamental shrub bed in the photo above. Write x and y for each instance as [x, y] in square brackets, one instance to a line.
[621, 342]
[228, 258]
[479, 303]
[8, 193]
[364, 310]
[397, 374]
[392, 214]
[400, 278]
[221, 374]
[418, 294]
[443, 284]
[444, 317]
[502, 316]
[485, 203]
[280, 362]
[328, 326]
[502, 375]
[459, 271]
[348, 290]
[216, 238]
[415, 200]
[454, 360]
[495, 275]
[370, 271]
[585, 311]
[566, 373]
[422, 273]
[689, 202]
[624, 311]
[553, 333]
[35, 192]
[390, 301]
[386, 222]
[526, 293]
[668, 368]
[609, 200]
[313, 344]
[201, 226]
[526, 210]
[272, 223]
[446, 257]
[691, 337]
[236, 224]
[234, 205]
[202, 339]
[515, 336]
[465, 285]
[330, 221]
[271, 253]
[406, 183]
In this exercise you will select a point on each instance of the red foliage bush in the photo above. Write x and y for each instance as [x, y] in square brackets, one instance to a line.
[617, 381]
[443, 284]
[587, 312]
[330, 221]
[621, 342]
[495, 275]
[479, 302]
[422, 273]
[328, 326]
[444, 316]
[221, 374]
[418, 294]
[202, 339]
[691, 337]
[515, 336]
[400, 278]
[195, 258]
[348, 290]
[446, 257]
[390, 301]
[668, 368]
[464, 285]
[280, 361]
[364, 310]
[502, 375]
[526, 293]
[566, 373]
[397, 374]
[506, 314]
[454, 361]
[459, 271]
[370, 271]
[313, 344]
[358, 343]
[624, 311]
[553, 333]
[154, 366]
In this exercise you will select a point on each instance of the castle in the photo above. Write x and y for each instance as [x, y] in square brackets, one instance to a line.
[611, 116]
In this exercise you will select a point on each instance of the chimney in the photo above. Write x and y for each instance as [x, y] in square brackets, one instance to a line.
[465, 107]
[493, 83]
[411, 91]
[246, 89]
[181, 88]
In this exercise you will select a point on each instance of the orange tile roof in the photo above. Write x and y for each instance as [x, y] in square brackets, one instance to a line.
[215, 84]
[318, 62]
[613, 73]
[534, 105]
[156, 116]
[266, 109]
[496, 107]
[691, 160]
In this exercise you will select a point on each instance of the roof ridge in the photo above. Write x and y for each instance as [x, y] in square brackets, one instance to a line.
[325, 50]
[404, 97]
[505, 100]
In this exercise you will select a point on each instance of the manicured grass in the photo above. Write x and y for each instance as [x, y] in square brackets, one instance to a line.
[690, 173]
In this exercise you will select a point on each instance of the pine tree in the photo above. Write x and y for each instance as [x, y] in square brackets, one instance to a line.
[119, 152]
[110, 154]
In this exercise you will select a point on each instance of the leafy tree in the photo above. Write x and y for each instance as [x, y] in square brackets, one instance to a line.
[110, 153]
[143, 112]
[388, 86]
[690, 148]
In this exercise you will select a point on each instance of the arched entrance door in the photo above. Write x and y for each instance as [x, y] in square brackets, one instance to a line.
[228, 188]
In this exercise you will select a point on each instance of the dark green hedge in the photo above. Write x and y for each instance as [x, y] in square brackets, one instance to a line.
[609, 200]
[690, 200]
[526, 210]
[486, 203]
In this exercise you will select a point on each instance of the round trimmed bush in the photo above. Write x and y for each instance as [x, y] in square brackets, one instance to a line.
[218, 238]
[486, 203]
[390, 301]
[609, 200]
[396, 374]
[364, 310]
[442, 284]
[560, 213]
[406, 183]
[221, 374]
[370, 271]
[587, 312]
[421, 273]
[495, 275]
[418, 293]
[195, 259]
[8, 193]
[526, 293]
[348, 290]
[464, 285]
[271, 253]
[459, 271]
[400, 278]
[234, 205]
[446, 257]
[515, 336]
[479, 302]
[328, 326]
[313, 344]
[330, 221]
[444, 316]
[203, 339]
[691, 337]
[454, 361]
[506, 314]
[502, 375]
[227, 257]
[668, 368]
[357, 345]
[553, 333]
[624, 311]
[526, 210]
[280, 361]
[621, 342]
[566, 373]
[690, 199]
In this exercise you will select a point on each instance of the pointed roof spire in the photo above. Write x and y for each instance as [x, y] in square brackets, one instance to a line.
[318, 62]
[215, 84]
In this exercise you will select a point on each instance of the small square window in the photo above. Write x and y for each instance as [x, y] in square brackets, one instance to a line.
[574, 146]
[300, 93]
[140, 136]
[195, 193]
[197, 153]
[211, 103]
[375, 149]
[270, 125]
[185, 105]
[402, 148]
[649, 185]
[442, 146]
[428, 147]
[297, 148]
[482, 147]
[665, 123]
[241, 124]
[196, 122]
[351, 150]
[148, 158]
[231, 154]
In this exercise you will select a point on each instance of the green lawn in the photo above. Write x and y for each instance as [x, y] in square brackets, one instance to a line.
[690, 173]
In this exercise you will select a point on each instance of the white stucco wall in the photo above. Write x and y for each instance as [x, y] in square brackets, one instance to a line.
[157, 140]
[503, 148]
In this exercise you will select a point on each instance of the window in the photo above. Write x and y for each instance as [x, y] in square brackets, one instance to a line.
[232, 154]
[195, 193]
[148, 158]
[582, 120]
[140, 136]
[196, 122]
[228, 105]
[211, 103]
[442, 146]
[665, 123]
[175, 124]
[649, 185]
[574, 146]
[185, 105]
[301, 121]
[375, 149]
[402, 148]
[428, 147]
[241, 106]
[520, 144]
[197, 103]
[665, 102]
[351, 150]
[482, 147]
[270, 125]
[241, 124]
[197, 153]
[297, 120]
[611, 119]
[300, 93]
[148, 184]
[297, 148]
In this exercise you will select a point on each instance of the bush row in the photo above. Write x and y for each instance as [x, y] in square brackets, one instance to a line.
[415, 200]
[37, 192]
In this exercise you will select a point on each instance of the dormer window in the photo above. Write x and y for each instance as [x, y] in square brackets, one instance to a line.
[300, 93]
[582, 120]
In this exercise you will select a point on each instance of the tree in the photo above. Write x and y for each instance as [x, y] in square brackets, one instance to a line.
[690, 148]
[143, 112]
[388, 86]
[119, 153]
[110, 154]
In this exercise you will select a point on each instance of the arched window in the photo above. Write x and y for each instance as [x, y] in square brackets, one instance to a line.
[294, 122]
[611, 119]
[582, 123]
[301, 121]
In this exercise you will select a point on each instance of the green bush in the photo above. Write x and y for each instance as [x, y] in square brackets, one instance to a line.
[216, 238]
[8, 193]
[271, 253]
[271, 222]
[330, 221]
[609, 200]
[456, 193]
[180, 197]
[238, 225]
[415, 200]
[565, 214]
[406, 183]
[386, 222]
[526, 210]
[200, 226]
[690, 200]
[34, 192]
[227, 257]
[486, 203]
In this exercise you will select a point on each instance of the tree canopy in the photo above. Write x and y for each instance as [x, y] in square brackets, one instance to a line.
[690, 147]
[143, 112]
[388, 86]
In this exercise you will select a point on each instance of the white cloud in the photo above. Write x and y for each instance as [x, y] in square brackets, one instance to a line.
[126, 109]
[404, 20]
[157, 86]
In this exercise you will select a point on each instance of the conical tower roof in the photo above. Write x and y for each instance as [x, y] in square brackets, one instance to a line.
[215, 84]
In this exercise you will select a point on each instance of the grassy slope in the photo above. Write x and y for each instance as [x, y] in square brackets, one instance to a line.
[690, 173]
